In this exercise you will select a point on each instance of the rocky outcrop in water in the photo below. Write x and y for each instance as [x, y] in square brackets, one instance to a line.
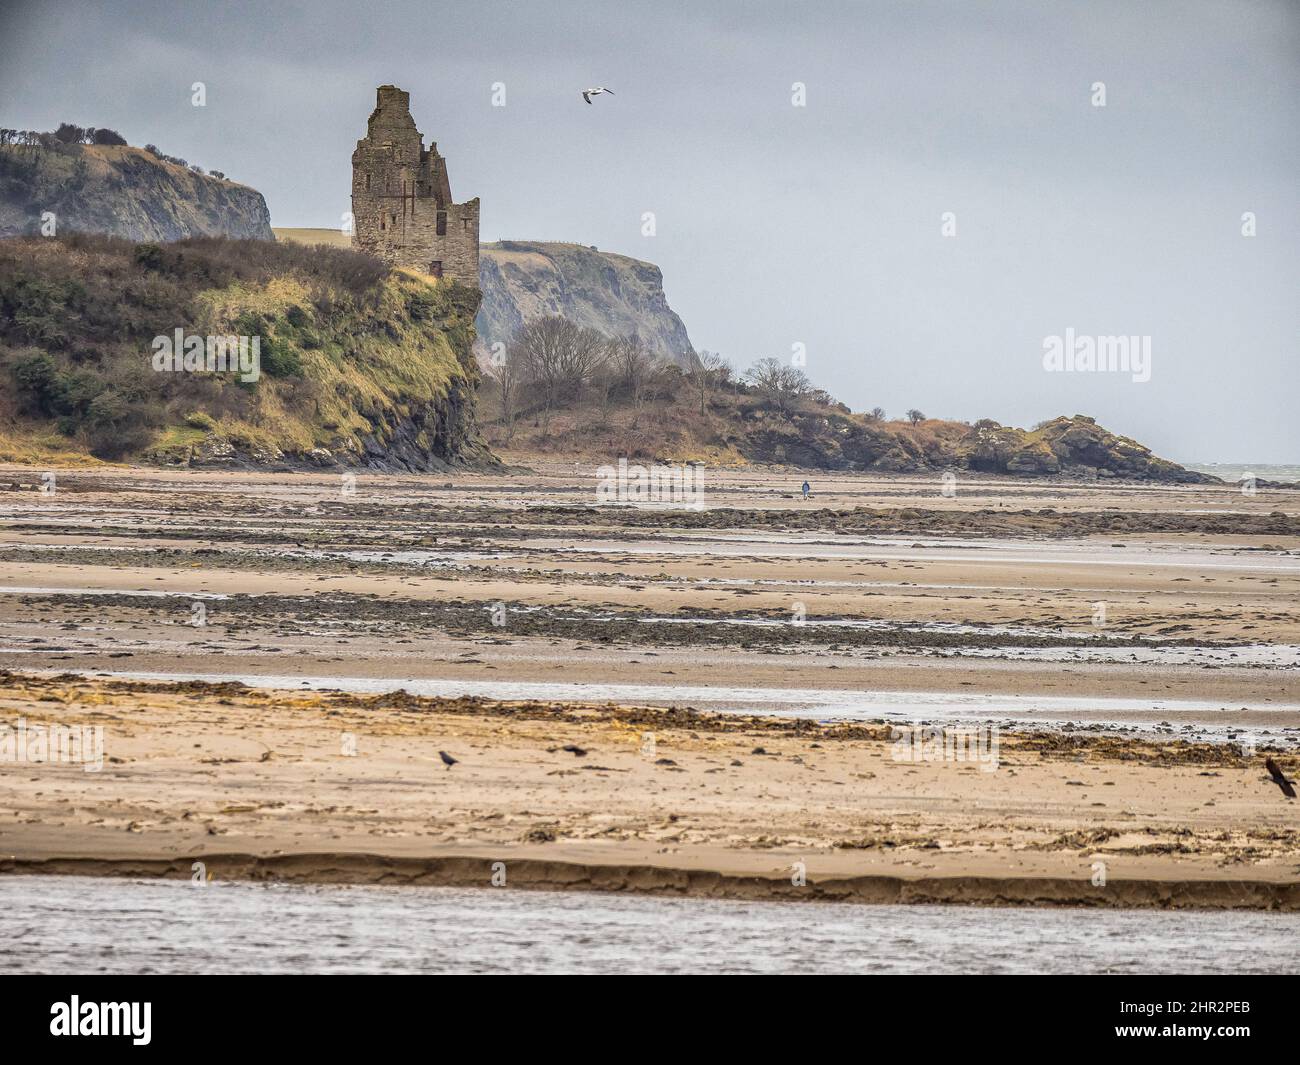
[1074, 447]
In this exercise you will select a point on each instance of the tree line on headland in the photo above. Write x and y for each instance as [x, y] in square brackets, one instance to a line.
[69, 134]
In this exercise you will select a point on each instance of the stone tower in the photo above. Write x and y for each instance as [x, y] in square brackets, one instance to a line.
[401, 198]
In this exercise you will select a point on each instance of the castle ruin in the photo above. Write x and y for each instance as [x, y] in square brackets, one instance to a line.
[401, 198]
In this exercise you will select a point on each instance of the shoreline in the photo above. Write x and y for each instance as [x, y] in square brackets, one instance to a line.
[532, 874]
[1200, 721]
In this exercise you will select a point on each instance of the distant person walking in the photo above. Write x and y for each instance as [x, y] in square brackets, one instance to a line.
[806, 489]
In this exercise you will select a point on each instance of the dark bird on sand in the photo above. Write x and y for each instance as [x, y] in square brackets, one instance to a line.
[1280, 778]
[447, 759]
[575, 750]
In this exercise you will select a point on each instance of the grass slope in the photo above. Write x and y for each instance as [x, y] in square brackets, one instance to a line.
[360, 365]
[740, 427]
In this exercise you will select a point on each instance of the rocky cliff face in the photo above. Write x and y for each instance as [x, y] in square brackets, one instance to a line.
[614, 294]
[125, 192]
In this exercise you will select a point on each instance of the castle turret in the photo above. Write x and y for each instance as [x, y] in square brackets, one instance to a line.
[401, 197]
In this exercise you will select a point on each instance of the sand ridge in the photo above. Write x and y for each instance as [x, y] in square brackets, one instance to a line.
[259, 783]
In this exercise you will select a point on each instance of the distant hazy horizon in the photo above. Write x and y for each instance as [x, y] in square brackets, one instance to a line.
[819, 225]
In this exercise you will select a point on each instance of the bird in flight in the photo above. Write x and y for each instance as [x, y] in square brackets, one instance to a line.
[447, 759]
[587, 94]
[1280, 778]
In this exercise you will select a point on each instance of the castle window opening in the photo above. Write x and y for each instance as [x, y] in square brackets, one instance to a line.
[435, 268]
[442, 223]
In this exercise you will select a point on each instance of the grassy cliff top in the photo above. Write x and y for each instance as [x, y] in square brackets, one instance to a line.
[359, 364]
[124, 191]
[739, 426]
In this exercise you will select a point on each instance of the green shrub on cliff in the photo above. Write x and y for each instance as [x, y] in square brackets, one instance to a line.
[357, 362]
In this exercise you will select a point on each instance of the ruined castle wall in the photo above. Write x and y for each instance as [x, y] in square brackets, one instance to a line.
[401, 197]
[456, 248]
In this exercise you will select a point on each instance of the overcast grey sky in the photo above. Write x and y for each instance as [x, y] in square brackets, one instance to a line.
[777, 224]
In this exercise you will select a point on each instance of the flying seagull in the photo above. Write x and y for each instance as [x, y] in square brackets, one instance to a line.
[589, 93]
[447, 759]
[1279, 778]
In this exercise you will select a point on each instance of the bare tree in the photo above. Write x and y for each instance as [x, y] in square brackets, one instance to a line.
[603, 382]
[560, 357]
[633, 365]
[704, 369]
[662, 379]
[780, 384]
[507, 372]
[915, 416]
[876, 414]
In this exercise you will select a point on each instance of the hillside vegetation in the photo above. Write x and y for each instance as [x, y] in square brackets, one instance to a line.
[523, 280]
[617, 400]
[360, 365]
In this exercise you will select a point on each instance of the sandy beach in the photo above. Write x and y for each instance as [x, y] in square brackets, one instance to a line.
[336, 787]
[1132, 648]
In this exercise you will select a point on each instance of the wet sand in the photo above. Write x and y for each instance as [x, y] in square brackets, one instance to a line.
[878, 600]
[336, 787]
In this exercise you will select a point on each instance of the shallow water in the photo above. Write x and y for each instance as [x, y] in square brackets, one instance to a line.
[1194, 719]
[771, 546]
[802, 547]
[1235, 471]
[135, 593]
[63, 924]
